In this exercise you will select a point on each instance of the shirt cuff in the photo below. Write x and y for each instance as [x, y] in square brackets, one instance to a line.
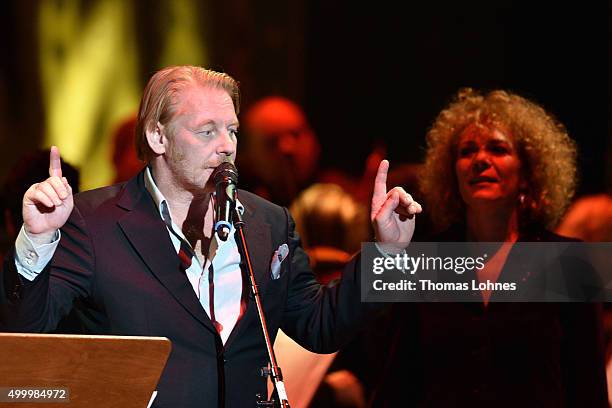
[392, 256]
[32, 257]
[387, 254]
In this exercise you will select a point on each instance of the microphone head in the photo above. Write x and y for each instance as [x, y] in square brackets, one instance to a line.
[226, 171]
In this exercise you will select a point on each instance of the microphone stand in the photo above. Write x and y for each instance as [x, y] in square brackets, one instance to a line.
[273, 371]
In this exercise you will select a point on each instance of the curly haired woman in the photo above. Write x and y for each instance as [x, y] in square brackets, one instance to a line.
[499, 168]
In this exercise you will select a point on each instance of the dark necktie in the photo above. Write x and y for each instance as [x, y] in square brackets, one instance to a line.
[185, 253]
[211, 298]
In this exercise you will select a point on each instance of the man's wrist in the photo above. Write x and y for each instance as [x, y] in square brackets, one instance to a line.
[42, 238]
[389, 250]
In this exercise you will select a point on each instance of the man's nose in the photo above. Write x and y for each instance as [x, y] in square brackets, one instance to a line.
[227, 144]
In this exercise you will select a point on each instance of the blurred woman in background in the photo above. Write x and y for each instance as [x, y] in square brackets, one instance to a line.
[498, 169]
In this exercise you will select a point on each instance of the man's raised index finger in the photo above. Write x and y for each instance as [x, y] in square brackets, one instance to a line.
[380, 182]
[55, 163]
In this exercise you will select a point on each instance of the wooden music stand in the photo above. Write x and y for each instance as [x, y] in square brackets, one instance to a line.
[98, 371]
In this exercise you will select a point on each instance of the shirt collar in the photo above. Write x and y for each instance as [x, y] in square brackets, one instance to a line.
[160, 200]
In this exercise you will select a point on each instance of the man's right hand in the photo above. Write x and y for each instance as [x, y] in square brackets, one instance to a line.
[47, 205]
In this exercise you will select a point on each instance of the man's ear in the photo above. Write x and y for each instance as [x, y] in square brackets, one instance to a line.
[157, 139]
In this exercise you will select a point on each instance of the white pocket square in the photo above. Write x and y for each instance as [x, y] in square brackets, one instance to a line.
[279, 256]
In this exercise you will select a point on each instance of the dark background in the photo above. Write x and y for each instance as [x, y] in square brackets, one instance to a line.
[380, 73]
[367, 73]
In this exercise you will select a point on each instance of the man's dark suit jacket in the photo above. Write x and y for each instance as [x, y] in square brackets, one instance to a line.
[116, 262]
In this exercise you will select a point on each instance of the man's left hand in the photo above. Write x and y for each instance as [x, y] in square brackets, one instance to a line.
[393, 212]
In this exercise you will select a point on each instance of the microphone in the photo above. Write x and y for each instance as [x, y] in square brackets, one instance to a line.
[225, 177]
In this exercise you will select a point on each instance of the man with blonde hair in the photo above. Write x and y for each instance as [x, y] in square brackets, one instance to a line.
[142, 257]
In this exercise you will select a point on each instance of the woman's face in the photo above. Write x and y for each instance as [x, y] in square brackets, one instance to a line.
[488, 167]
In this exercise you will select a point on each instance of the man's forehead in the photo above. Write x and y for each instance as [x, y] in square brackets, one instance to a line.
[198, 100]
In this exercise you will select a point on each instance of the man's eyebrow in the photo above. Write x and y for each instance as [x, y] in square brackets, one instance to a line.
[204, 123]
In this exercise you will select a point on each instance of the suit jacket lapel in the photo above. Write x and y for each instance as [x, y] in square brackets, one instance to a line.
[259, 240]
[147, 233]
